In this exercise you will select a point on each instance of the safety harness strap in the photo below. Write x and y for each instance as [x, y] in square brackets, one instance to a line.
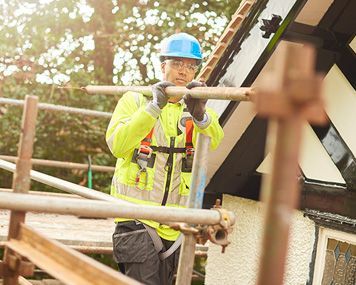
[165, 149]
[189, 133]
[189, 150]
[172, 248]
[144, 154]
[146, 142]
[158, 244]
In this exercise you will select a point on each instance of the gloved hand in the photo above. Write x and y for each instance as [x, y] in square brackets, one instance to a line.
[160, 97]
[196, 107]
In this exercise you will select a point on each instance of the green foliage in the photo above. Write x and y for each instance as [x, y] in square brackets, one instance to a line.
[74, 43]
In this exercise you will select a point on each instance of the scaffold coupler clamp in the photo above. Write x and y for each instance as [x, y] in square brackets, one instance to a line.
[185, 228]
[143, 155]
[218, 233]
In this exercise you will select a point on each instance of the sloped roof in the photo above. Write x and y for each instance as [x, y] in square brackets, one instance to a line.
[328, 154]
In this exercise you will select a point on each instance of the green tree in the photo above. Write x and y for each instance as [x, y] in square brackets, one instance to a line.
[74, 43]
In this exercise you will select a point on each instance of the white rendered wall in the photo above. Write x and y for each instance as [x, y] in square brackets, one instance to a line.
[239, 263]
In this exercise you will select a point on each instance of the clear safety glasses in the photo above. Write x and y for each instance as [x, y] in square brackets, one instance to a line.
[178, 64]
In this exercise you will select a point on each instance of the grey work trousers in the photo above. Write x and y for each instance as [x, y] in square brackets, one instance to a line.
[134, 251]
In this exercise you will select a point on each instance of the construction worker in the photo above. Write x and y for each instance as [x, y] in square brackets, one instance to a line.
[154, 141]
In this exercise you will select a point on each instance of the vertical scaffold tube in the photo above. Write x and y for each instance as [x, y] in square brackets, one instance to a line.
[199, 172]
[21, 178]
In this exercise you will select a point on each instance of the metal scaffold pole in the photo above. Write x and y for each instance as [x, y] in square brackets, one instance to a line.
[63, 184]
[186, 258]
[219, 93]
[294, 97]
[21, 181]
[99, 208]
[58, 108]
[61, 164]
[106, 209]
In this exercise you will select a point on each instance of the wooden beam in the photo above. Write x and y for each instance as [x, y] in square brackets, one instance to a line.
[63, 263]
[20, 265]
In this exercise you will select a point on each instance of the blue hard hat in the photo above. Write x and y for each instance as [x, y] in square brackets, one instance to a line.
[181, 45]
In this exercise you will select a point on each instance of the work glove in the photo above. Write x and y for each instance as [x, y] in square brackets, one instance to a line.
[160, 97]
[196, 107]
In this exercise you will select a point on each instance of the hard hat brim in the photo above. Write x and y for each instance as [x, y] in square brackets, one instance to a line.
[181, 54]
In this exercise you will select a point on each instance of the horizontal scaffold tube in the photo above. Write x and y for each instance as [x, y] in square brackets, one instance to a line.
[87, 193]
[57, 108]
[62, 164]
[64, 185]
[219, 93]
[103, 209]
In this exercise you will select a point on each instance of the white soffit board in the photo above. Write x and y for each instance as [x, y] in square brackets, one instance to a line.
[340, 100]
[313, 160]
[313, 11]
[237, 124]
[244, 61]
[266, 165]
[233, 130]
[353, 44]
[251, 50]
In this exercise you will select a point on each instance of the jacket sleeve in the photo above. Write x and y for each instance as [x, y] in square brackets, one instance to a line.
[129, 125]
[213, 130]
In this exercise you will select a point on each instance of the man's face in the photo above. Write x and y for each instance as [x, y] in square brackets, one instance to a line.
[179, 71]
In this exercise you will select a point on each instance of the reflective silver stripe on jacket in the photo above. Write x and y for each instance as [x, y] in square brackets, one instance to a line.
[159, 180]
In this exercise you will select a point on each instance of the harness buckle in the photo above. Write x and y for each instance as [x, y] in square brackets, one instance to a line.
[143, 155]
[138, 176]
[144, 150]
[187, 162]
[189, 152]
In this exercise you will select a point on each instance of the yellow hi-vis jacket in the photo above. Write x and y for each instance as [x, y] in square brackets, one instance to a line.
[129, 125]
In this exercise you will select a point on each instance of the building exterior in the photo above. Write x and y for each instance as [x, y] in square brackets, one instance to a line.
[322, 247]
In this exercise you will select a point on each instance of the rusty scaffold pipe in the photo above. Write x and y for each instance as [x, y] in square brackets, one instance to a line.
[61, 164]
[293, 98]
[21, 180]
[218, 93]
[57, 108]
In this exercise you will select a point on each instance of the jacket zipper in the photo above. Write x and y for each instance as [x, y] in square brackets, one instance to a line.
[169, 165]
